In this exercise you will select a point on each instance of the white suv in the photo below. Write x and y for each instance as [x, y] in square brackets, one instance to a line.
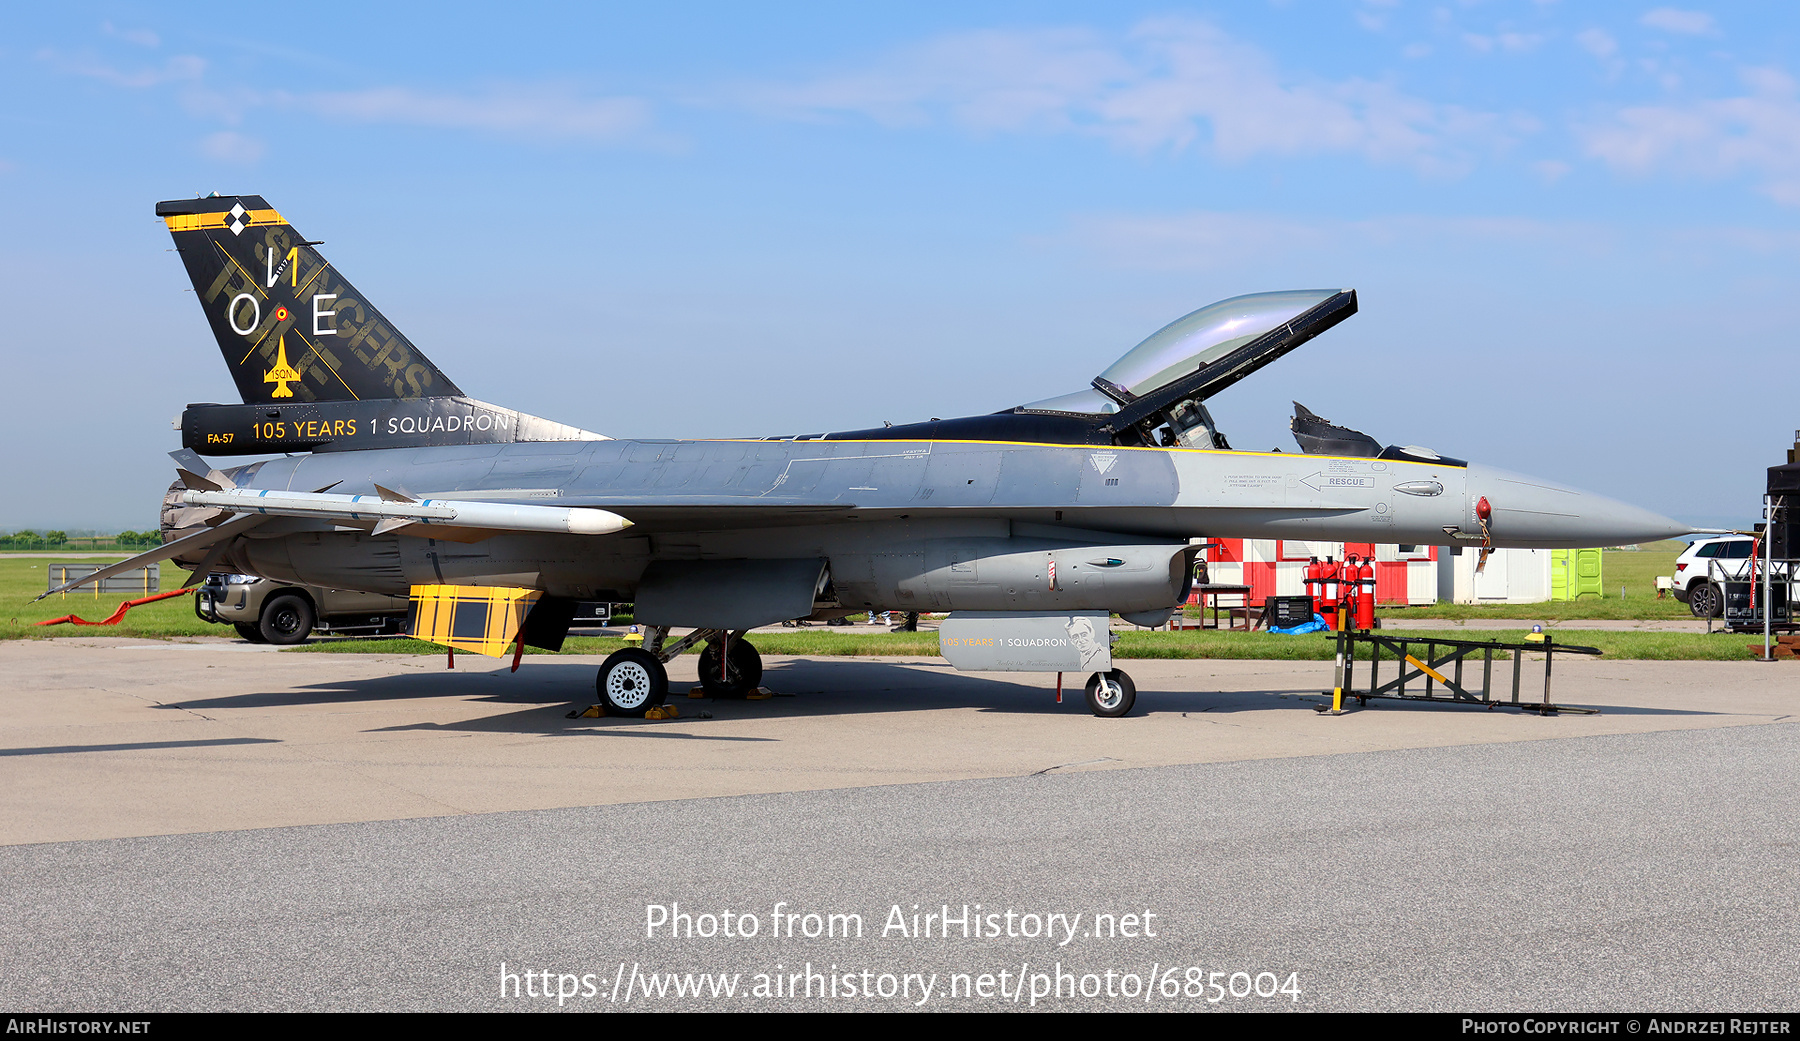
[1722, 557]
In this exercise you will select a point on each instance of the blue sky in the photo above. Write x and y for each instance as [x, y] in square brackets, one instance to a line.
[1573, 227]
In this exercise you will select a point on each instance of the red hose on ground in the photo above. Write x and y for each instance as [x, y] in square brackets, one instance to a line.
[120, 613]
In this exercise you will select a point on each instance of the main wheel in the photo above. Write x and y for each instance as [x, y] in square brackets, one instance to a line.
[287, 619]
[1111, 693]
[632, 682]
[743, 670]
[250, 633]
[1704, 600]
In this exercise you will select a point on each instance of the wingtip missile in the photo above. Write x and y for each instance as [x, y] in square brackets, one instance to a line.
[426, 513]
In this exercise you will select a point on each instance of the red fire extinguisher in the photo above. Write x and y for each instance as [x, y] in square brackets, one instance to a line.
[1365, 603]
[1328, 575]
[1315, 582]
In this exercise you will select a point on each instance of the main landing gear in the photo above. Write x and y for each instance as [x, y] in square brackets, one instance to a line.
[634, 681]
[730, 668]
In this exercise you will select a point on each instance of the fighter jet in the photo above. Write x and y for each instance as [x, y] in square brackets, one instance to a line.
[1031, 525]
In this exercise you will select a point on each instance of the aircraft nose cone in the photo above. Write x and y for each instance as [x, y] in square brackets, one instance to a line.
[1532, 512]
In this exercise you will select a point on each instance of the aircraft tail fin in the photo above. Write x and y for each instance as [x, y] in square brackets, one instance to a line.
[290, 327]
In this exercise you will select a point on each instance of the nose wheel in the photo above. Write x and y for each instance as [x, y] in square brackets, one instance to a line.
[1111, 694]
[632, 682]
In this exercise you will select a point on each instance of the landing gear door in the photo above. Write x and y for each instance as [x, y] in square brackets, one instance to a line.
[999, 641]
[728, 594]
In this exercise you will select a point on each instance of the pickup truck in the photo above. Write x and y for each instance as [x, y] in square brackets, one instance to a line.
[265, 611]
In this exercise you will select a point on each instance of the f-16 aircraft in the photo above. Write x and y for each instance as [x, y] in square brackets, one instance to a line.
[1031, 525]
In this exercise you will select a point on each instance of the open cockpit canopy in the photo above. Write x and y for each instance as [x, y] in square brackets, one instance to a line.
[1195, 341]
[1155, 393]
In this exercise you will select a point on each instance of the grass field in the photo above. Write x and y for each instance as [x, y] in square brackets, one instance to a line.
[1634, 571]
[23, 578]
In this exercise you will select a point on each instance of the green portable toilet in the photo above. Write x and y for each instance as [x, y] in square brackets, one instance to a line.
[1575, 573]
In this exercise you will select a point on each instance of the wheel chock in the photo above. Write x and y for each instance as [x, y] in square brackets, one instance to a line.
[696, 692]
[759, 694]
[591, 712]
[663, 712]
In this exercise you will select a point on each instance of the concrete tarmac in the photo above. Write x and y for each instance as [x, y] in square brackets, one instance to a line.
[206, 825]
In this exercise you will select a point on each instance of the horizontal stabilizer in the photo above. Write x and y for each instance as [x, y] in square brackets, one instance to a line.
[166, 551]
[194, 482]
[197, 473]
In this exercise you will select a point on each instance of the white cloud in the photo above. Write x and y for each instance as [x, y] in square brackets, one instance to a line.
[537, 111]
[1166, 84]
[1550, 170]
[1225, 241]
[1597, 42]
[1513, 43]
[1604, 48]
[1203, 240]
[141, 37]
[1675, 20]
[1757, 134]
[1374, 14]
[1230, 242]
[178, 69]
[230, 147]
[543, 110]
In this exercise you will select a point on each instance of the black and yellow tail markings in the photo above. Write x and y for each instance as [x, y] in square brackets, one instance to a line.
[248, 279]
[247, 263]
[223, 220]
[325, 360]
[283, 373]
[320, 270]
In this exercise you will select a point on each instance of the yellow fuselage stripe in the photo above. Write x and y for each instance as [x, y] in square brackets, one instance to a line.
[1168, 449]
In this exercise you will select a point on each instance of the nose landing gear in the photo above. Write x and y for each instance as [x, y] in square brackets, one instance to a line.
[1111, 694]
